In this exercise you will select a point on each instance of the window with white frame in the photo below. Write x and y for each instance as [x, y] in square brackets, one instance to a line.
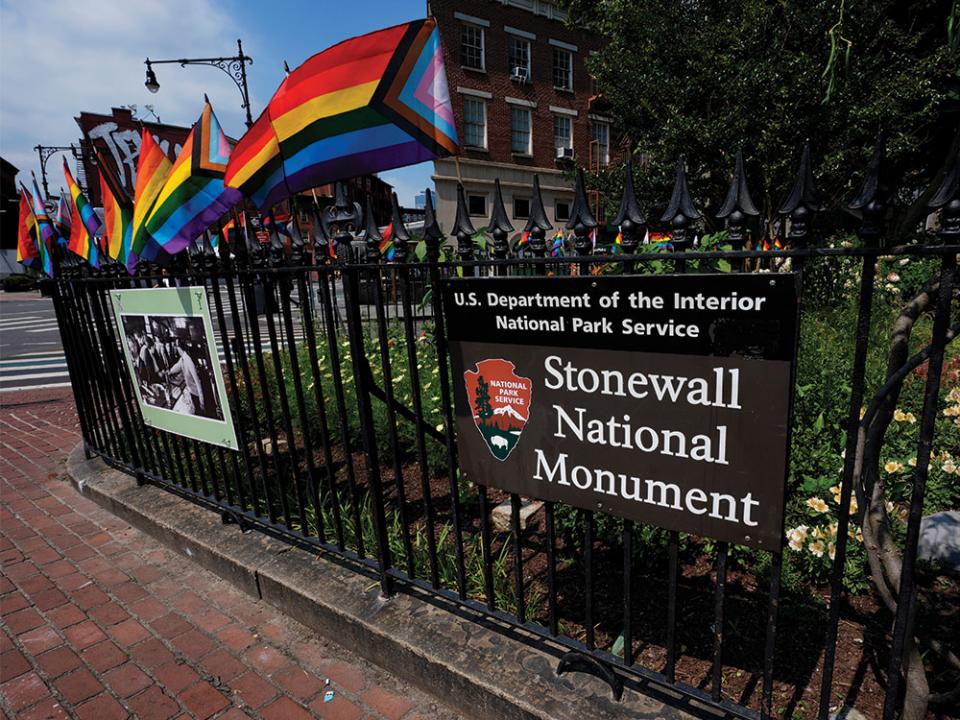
[519, 49]
[562, 133]
[471, 47]
[562, 69]
[474, 122]
[520, 131]
[600, 147]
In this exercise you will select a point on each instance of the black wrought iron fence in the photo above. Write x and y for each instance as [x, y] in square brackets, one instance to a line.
[338, 379]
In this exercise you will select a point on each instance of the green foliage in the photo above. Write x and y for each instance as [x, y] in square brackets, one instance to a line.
[765, 77]
[18, 283]
[504, 590]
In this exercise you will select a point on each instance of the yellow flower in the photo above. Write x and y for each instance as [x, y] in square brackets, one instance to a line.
[817, 548]
[440, 427]
[853, 505]
[832, 550]
[892, 466]
[863, 411]
[899, 415]
[889, 507]
[819, 534]
[817, 504]
[949, 466]
[910, 418]
[912, 462]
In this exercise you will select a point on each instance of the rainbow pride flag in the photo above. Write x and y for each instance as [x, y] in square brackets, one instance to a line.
[45, 231]
[28, 252]
[371, 103]
[556, 249]
[117, 213]
[153, 168]
[193, 197]
[84, 223]
[617, 243]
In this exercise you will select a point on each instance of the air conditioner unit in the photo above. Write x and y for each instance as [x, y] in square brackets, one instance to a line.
[564, 153]
[519, 75]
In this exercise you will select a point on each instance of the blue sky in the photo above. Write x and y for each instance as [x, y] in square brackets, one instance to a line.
[61, 56]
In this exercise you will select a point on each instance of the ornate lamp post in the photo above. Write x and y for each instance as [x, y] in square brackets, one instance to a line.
[235, 67]
[46, 152]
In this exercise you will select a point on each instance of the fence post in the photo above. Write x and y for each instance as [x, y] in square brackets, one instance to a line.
[947, 200]
[344, 218]
[871, 201]
[738, 206]
[537, 225]
[680, 213]
[582, 223]
[499, 227]
[463, 230]
[630, 219]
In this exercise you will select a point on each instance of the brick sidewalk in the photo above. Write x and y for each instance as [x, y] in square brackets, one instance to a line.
[101, 621]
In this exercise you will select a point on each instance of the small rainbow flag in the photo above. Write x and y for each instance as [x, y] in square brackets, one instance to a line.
[45, 232]
[524, 240]
[27, 250]
[617, 246]
[556, 250]
[117, 213]
[193, 196]
[84, 223]
[371, 103]
[153, 168]
[386, 244]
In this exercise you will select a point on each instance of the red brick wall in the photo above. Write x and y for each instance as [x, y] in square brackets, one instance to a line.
[496, 79]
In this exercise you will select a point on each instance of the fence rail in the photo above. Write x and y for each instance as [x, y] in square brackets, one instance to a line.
[338, 379]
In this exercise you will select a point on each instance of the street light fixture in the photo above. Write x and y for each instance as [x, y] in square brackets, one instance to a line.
[235, 67]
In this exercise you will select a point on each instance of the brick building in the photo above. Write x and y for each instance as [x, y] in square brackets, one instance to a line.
[524, 104]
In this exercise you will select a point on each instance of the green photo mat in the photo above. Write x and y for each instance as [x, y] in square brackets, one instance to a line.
[189, 302]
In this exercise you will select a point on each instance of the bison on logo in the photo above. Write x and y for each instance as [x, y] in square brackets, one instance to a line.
[500, 403]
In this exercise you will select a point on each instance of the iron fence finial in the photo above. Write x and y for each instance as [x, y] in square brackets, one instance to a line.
[581, 219]
[371, 234]
[630, 218]
[803, 202]
[499, 226]
[681, 212]
[463, 229]
[432, 234]
[400, 235]
[537, 224]
[873, 198]
[738, 205]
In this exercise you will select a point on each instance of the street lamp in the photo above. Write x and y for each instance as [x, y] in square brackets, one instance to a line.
[46, 152]
[235, 67]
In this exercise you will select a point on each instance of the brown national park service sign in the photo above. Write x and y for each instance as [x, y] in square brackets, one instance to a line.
[500, 401]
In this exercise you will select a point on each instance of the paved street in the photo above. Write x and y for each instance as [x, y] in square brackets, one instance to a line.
[31, 355]
[101, 621]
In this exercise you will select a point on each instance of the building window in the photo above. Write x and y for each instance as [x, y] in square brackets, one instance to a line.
[477, 205]
[520, 126]
[562, 210]
[521, 207]
[474, 123]
[471, 47]
[519, 56]
[562, 134]
[600, 147]
[562, 69]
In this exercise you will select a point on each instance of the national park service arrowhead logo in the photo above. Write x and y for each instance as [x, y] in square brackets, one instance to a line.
[500, 403]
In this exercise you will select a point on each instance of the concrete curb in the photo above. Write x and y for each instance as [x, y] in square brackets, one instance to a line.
[473, 669]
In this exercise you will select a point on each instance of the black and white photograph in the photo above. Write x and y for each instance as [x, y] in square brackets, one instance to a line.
[172, 365]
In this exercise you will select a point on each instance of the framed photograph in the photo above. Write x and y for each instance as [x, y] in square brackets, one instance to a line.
[172, 358]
